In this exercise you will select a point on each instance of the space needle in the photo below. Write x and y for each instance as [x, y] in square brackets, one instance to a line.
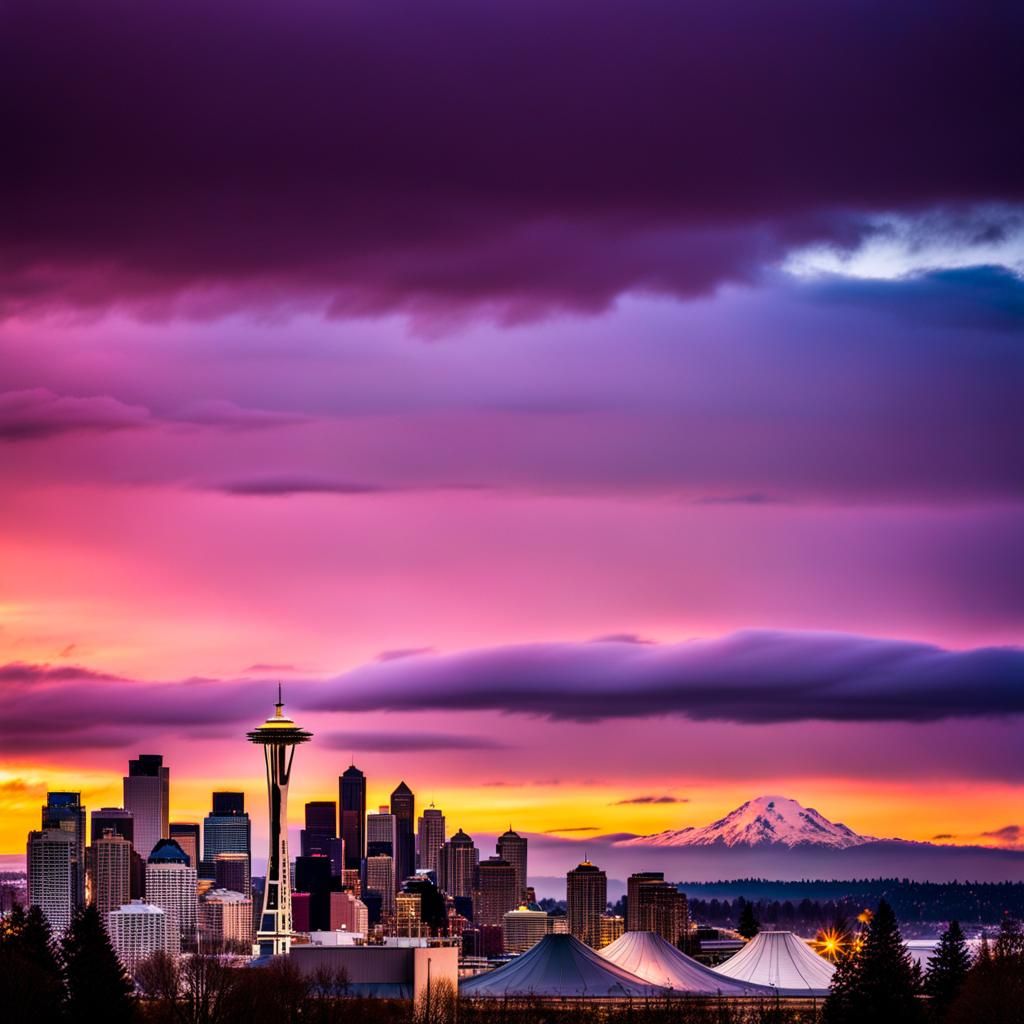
[278, 736]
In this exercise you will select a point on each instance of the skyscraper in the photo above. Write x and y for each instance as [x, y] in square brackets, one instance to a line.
[512, 847]
[232, 871]
[147, 794]
[586, 890]
[381, 833]
[497, 892]
[403, 807]
[186, 835]
[117, 819]
[278, 736]
[456, 865]
[352, 815]
[226, 829]
[110, 871]
[171, 885]
[380, 880]
[64, 812]
[321, 825]
[313, 875]
[431, 836]
[654, 905]
[50, 858]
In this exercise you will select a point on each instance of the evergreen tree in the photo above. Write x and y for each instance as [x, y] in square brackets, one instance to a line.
[31, 986]
[98, 987]
[1010, 941]
[878, 984]
[748, 925]
[947, 968]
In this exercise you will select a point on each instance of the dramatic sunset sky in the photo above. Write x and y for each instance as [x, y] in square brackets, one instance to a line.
[596, 414]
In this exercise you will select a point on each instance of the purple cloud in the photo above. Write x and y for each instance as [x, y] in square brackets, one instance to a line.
[39, 413]
[750, 676]
[449, 178]
[1007, 834]
[651, 800]
[396, 742]
[287, 486]
[219, 412]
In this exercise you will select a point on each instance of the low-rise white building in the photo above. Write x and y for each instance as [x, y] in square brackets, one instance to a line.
[139, 929]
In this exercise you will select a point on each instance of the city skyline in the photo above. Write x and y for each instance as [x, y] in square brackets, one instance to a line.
[615, 448]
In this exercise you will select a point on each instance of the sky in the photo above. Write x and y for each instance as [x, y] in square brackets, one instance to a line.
[596, 415]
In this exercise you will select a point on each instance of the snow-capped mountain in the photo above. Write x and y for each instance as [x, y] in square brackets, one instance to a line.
[764, 821]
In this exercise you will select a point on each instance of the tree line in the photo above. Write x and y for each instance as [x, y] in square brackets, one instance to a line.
[913, 902]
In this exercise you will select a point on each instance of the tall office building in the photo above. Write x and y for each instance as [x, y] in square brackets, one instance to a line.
[321, 828]
[50, 858]
[116, 819]
[186, 835]
[381, 834]
[380, 880]
[313, 875]
[147, 794]
[497, 892]
[431, 837]
[352, 815]
[278, 735]
[109, 860]
[64, 812]
[226, 829]
[232, 871]
[654, 905]
[457, 864]
[138, 930]
[171, 885]
[512, 847]
[403, 807]
[586, 891]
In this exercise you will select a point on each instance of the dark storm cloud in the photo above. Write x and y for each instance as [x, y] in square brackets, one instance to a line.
[751, 676]
[522, 154]
[39, 413]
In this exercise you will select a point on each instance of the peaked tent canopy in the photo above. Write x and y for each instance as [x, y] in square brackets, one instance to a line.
[658, 962]
[559, 966]
[782, 960]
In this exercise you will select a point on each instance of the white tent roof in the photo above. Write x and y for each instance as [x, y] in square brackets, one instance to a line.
[658, 962]
[558, 966]
[782, 960]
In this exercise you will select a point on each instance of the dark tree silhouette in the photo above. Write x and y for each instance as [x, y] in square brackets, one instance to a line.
[748, 925]
[878, 983]
[994, 990]
[947, 969]
[97, 986]
[31, 984]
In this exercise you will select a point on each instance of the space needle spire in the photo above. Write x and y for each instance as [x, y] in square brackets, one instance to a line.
[278, 735]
